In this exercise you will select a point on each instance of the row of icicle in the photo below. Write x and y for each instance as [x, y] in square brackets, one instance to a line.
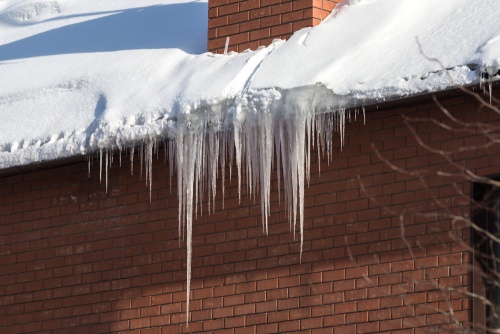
[203, 148]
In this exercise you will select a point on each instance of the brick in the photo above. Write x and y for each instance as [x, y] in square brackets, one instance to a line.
[228, 9]
[368, 304]
[218, 22]
[249, 25]
[280, 316]
[377, 315]
[282, 29]
[217, 3]
[358, 317]
[260, 12]
[256, 319]
[344, 285]
[213, 324]
[228, 30]
[292, 16]
[212, 13]
[390, 325]
[289, 281]
[328, 6]
[267, 284]
[238, 39]
[250, 4]
[311, 323]
[288, 326]
[346, 307]
[287, 304]
[370, 327]
[301, 4]
[259, 34]
[270, 21]
[267, 328]
[234, 300]
[321, 311]
[281, 8]
[238, 18]
[223, 312]
[244, 309]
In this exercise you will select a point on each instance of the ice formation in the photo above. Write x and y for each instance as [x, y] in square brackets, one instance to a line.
[254, 133]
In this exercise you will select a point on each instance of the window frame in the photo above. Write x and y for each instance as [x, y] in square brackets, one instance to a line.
[485, 214]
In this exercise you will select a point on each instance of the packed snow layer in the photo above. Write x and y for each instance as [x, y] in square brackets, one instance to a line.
[79, 76]
[381, 49]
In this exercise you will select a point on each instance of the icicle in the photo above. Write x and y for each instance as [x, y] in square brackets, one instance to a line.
[237, 147]
[149, 166]
[171, 155]
[88, 159]
[146, 165]
[232, 146]
[165, 149]
[490, 88]
[260, 133]
[120, 156]
[188, 142]
[299, 146]
[222, 144]
[364, 116]
[100, 165]
[308, 129]
[107, 155]
[156, 149]
[132, 160]
[278, 167]
[266, 156]
[141, 157]
[215, 155]
[340, 125]
[188, 264]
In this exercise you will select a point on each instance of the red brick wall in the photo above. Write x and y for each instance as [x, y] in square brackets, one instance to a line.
[74, 259]
[252, 23]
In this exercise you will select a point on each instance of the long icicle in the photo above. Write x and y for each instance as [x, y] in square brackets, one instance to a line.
[262, 135]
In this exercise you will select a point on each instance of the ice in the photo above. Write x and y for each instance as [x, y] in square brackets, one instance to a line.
[100, 165]
[107, 167]
[150, 145]
[132, 149]
[273, 126]
[261, 132]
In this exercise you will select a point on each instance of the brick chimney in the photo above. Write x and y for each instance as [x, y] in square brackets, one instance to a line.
[252, 23]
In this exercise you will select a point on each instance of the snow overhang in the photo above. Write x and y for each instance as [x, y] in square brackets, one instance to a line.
[74, 96]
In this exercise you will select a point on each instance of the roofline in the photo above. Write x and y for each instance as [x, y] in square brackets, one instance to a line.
[404, 102]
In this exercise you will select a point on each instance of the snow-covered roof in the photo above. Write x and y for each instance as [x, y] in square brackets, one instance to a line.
[78, 76]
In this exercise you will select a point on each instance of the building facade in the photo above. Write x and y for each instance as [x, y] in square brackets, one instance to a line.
[391, 239]
[385, 249]
[248, 24]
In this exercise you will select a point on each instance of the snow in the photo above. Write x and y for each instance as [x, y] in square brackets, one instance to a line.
[80, 77]
[371, 50]
[76, 77]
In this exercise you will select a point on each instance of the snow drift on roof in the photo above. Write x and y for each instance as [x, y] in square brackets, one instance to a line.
[79, 76]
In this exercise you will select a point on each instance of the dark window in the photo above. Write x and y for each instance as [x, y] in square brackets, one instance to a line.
[485, 238]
